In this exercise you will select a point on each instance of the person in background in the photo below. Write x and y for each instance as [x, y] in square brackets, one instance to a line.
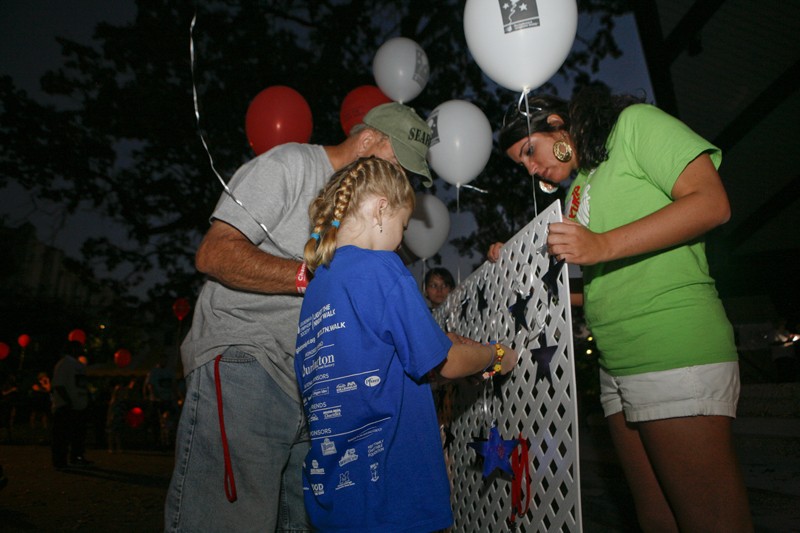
[645, 190]
[365, 344]
[437, 285]
[118, 405]
[9, 400]
[70, 400]
[239, 351]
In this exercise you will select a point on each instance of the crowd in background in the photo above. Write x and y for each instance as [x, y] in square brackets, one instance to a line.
[132, 411]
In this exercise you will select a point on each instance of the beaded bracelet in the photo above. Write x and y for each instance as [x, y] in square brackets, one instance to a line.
[496, 363]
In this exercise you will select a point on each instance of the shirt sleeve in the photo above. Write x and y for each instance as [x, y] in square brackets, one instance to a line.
[662, 145]
[420, 343]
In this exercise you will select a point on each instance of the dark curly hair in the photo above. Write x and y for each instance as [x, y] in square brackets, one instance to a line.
[588, 118]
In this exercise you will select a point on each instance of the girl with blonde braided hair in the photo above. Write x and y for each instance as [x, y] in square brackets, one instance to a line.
[366, 343]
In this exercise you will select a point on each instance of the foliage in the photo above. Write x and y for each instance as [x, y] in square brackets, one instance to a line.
[126, 144]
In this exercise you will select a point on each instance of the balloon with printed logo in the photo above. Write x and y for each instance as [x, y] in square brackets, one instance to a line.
[277, 115]
[428, 226]
[461, 142]
[5, 349]
[122, 358]
[357, 103]
[401, 69]
[77, 335]
[520, 44]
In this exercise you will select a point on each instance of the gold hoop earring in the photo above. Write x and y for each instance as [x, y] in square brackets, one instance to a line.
[562, 150]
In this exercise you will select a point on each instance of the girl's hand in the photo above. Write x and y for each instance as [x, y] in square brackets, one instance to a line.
[509, 361]
[494, 252]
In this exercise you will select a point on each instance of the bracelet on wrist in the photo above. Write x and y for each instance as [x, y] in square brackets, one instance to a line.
[301, 278]
[495, 365]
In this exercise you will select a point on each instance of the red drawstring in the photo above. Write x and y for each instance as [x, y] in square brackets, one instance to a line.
[522, 474]
[230, 483]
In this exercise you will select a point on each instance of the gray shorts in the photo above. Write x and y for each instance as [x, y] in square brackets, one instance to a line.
[690, 391]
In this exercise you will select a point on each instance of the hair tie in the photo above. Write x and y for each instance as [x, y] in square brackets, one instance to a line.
[335, 223]
[315, 236]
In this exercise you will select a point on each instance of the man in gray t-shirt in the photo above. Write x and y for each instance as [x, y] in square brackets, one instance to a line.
[239, 352]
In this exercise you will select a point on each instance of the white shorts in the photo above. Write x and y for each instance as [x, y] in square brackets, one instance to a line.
[690, 391]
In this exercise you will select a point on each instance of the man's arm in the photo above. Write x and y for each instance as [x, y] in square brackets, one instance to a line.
[226, 255]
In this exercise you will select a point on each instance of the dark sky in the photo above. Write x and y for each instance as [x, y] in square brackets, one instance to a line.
[27, 39]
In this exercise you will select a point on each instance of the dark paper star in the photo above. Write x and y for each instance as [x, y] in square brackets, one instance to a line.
[518, 312]
[496, 452]
[482, 303]
[550, 279]
[464, 308]
[448, 437]
[543, 355]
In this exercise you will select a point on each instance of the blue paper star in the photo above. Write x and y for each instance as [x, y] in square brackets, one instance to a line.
[482, 303]
[496, 452]
[464, 308]
[543, 355]
[518, 312]
[550, 279]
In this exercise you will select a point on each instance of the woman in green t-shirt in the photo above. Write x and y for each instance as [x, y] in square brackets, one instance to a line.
[644, 190]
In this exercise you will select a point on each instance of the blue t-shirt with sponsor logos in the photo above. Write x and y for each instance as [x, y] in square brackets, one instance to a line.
[365, 342]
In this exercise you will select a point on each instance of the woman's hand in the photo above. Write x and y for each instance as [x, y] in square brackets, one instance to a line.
[494, 252]
[574, 243]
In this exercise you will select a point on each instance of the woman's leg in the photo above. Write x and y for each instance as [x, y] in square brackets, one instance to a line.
[695, 461]
[652, 510]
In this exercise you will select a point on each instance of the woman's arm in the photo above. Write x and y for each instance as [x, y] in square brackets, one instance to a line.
[700, 204]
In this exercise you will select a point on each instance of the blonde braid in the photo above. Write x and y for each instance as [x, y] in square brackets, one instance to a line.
[343, 194]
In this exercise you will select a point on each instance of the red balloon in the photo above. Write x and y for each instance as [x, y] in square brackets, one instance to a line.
[4, 350]
[181, 308]
[77, 335]
[135, 417]
[357, 103]
[122, 358]
[277, 115]
[24, 340]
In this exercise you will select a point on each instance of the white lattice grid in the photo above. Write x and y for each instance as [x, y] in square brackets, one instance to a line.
[546, 415]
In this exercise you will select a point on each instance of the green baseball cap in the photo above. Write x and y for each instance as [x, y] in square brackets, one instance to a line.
[409, 134]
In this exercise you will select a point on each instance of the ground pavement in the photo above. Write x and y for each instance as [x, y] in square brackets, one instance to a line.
[125, 492]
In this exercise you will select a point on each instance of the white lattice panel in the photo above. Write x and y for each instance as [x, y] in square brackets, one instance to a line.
[490, 305]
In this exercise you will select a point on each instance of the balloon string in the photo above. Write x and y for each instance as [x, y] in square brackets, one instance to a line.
[474, 188]
[458, 213]
[208, 152]
[524, 98]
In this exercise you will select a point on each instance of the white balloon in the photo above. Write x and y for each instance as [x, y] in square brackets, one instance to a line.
[461, 142]
[401, 69]
[520, 44]
[428, 227]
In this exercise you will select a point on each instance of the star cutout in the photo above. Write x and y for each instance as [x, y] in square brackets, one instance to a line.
[543, 355]
[464, 308]
[550, 279]
[518, 312]
[482, 303]
[496, 452]
[448, 437]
